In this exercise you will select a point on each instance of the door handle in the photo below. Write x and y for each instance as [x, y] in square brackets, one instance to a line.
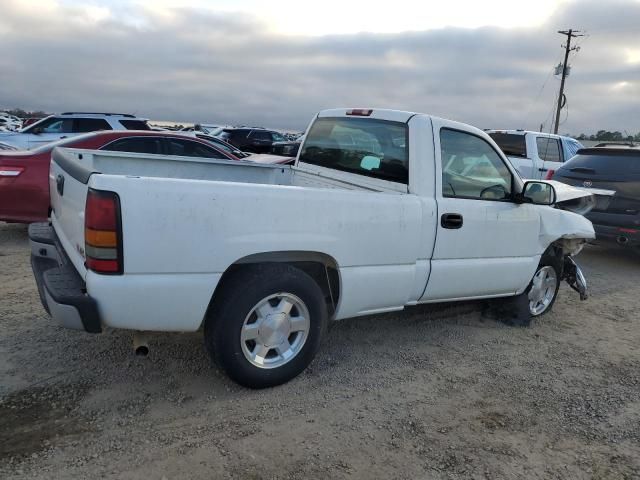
[60, 185]
[543, 169]
[63, 137]
[451, 220]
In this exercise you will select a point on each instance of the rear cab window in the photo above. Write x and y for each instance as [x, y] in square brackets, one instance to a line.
[365, 146]
[511, 144]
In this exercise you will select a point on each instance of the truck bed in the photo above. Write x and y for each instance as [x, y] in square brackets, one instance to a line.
[84, 163]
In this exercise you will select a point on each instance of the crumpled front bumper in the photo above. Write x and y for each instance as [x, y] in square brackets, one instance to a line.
[574, 277]
[62, 290]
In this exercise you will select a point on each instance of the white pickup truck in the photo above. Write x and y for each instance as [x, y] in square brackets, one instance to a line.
[382, 209]
[535, 155]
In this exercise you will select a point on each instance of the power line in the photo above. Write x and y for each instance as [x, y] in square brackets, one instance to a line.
[567, 48]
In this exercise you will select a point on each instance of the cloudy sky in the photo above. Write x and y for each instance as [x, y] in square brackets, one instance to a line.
[275, 63]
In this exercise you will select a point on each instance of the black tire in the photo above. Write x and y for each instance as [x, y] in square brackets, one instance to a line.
[233, 302]
[548, 260]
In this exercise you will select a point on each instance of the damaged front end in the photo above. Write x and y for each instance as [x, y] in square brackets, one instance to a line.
[572, 274]
[566, 230]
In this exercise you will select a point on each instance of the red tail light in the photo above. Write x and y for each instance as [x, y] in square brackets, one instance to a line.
[549, 174]
[103, 232]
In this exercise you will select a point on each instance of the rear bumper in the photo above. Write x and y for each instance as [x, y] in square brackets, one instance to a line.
[62, 290]
[628, 237]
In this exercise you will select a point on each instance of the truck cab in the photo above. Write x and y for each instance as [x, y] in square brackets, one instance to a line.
[535, 155]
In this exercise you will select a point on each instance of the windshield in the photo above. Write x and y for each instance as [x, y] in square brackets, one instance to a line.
[366, 146]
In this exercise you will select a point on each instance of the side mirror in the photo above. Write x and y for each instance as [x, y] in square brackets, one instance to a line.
[538, 193]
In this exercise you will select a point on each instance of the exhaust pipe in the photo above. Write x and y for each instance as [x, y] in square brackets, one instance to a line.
[622, 240]
[140, 344]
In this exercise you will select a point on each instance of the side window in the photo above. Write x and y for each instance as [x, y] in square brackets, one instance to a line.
[259, 135]
[135, 124]
[91, 125]
[277, 137]
[57, 125]
[136, 145]
[188, 148]
[549, 149]
[221, 145]
[471, 168]
[573, 147]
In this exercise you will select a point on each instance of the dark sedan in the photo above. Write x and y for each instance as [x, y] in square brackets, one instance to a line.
[614, 168]
[254, 140]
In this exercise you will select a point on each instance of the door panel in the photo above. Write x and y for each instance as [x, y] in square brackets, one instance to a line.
[494, 251]
[24, 195]
[43, 138]
[525, 166]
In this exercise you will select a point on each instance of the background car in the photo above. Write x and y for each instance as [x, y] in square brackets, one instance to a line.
[24, 174]
[9, 122]
[536, 155]
[5, 146]
[288, 148]
[612, 167]
[69, 124]
[256, 140]
[206, 128]
[218, 142]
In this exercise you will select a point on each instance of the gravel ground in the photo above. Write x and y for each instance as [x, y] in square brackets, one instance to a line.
[434, 392]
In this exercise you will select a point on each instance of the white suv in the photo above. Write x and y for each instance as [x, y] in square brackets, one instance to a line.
[55, 127]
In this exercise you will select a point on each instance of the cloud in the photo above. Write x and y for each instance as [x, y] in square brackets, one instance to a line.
[192, 64]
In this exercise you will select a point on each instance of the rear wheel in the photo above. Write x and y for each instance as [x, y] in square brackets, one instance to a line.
[543, 289]
[266, 324]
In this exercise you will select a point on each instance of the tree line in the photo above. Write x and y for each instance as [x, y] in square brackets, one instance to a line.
[607, 136]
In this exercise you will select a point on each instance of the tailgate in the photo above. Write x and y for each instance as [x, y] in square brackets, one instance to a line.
[68, 178]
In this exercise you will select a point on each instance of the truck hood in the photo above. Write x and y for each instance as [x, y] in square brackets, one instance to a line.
[566, 192]
[580, 200]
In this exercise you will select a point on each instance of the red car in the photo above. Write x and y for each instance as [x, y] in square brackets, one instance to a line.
[24, 174]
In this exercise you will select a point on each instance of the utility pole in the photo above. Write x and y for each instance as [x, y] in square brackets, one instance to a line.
[561, 98]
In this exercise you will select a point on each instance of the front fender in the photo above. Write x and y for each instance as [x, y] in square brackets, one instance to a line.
[558, 224]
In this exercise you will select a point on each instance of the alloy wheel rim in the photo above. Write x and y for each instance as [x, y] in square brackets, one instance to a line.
[275, 330]
[543, 289]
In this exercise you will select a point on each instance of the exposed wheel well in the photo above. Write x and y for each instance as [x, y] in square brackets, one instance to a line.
[322, 268]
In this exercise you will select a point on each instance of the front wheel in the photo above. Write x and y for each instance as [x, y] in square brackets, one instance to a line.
[543, 289]
[266, 324]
